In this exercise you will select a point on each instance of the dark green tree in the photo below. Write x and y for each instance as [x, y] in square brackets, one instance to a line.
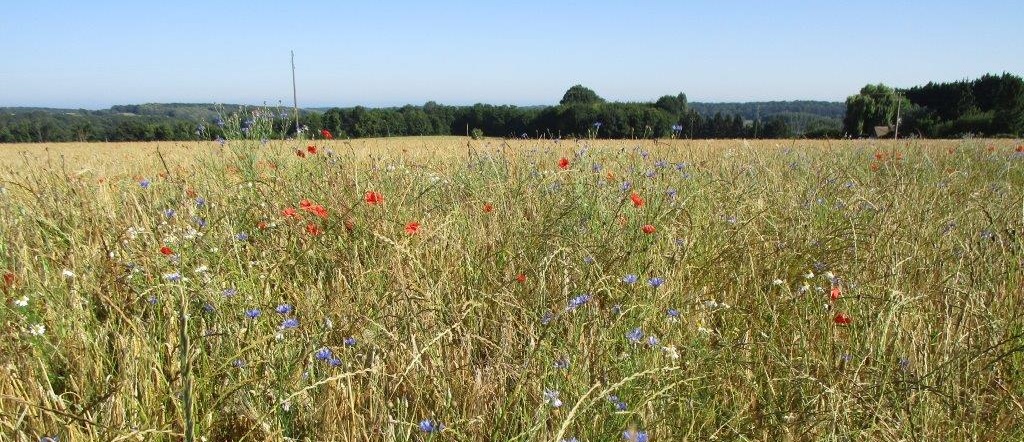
[580, 95]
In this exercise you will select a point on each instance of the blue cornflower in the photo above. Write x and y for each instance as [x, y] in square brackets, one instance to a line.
[238, 363]
[334, 362]
[173, 277]
[562, 363]
[680, 166]
[626, 185]
[551, 398]
[650, 174]
[208, 308]
[661, 164]
[144, 183]
[253, 313]
[656, 281]
[635, 436]
[630, 279]
[289, 323]
[617, 403]
[644, 154]
[635, 335]
[229, 292]
[547, 317]
[284, 309]
[350, 341]
[671, 193]
[596, 167]
[616, 309]
[152, 299]
[588, 259]
[577, 302]
[200, 202]
[242, 236]
[169, 213]
[199, 222]
[673, 313]
[430, 426]
[653, 341]
[904, 363]
[324, 354]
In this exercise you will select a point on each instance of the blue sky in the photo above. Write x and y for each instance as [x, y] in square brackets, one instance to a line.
[379, 53]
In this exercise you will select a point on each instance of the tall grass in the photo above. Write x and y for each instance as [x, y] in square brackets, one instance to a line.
[398, 331]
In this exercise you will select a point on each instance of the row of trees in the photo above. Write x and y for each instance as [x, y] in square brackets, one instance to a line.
[992, 105]
[581, 113]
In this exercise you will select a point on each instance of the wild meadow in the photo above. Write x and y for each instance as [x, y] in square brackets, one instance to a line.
[436, 289]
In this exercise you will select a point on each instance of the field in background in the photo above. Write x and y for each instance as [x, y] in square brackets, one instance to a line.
[439, 288]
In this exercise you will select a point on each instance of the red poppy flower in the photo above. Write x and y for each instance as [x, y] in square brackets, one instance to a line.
[305, 203]
[488, 208]
[191, 192]
[290, 212]
[836, 293]
[880, 156]
[326, 134]
[563, 163]
[1020, 149]
[166, 251]
[300, 153]
[262, 225]
[311, 149]
[313, 229]
[316, 209]
[521, 278]
[638, 201]
[372, 197]
[648, 229]
[412, 228]
[842, 319]
[8, 279]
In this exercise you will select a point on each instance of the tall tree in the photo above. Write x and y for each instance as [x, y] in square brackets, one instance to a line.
[579, 94]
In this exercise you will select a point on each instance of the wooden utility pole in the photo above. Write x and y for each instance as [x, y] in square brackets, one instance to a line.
[295, 98]
[896, 133]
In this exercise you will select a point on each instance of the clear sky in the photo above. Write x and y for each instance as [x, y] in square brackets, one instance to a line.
[93, 54]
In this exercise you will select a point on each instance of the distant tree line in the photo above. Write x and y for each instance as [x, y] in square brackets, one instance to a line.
[581, 113]
[992, 105]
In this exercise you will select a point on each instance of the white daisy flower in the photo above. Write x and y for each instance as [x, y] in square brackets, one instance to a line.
[36, 329]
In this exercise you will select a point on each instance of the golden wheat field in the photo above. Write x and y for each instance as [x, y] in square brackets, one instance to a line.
[443, 288]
